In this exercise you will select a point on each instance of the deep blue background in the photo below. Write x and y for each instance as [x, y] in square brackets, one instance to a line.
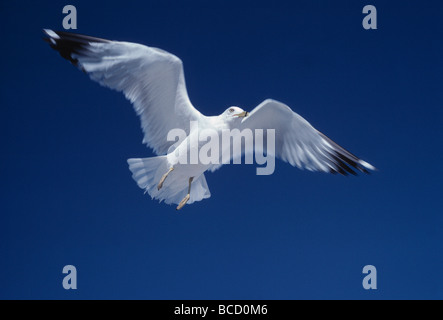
[67, 196]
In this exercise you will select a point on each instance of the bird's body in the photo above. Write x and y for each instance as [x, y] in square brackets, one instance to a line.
[184, 158]
[153, 80]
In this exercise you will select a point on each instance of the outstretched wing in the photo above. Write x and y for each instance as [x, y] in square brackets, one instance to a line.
[152, 79]
[299, 143]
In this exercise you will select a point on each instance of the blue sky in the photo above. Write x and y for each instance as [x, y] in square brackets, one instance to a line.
[67, 196]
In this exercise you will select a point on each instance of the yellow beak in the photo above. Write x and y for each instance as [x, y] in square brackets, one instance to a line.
[243, 114]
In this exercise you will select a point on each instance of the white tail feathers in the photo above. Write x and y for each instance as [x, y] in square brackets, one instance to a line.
[147, 172]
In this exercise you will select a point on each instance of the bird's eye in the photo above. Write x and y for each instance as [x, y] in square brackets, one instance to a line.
[231, 110]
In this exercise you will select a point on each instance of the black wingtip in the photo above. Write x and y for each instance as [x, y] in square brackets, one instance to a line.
[65, 47]
[345, 160]
[67, 43]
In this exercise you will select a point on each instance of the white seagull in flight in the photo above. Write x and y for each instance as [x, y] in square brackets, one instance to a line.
[153, 80]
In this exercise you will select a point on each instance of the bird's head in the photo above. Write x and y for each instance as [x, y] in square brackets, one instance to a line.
[234, 114]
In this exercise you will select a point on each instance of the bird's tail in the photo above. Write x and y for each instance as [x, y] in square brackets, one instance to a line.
[147, 172]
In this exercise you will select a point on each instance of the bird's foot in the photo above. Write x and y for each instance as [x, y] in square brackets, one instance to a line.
[183, 202]
[162, 180]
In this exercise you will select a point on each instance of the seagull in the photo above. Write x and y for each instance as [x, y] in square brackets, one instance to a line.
[153, 81]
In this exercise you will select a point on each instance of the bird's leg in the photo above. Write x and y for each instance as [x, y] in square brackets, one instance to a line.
[160, 184]
[185, 199]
